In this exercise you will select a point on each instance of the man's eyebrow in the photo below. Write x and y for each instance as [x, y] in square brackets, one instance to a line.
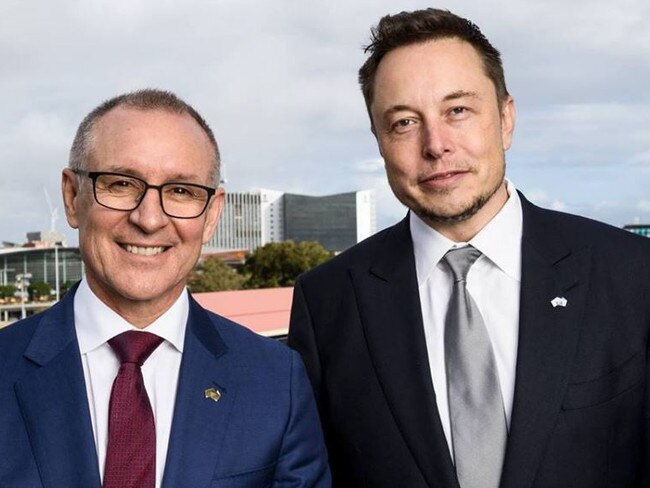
[460, 94]
[396, 108]
[451, 96]
[129, 171]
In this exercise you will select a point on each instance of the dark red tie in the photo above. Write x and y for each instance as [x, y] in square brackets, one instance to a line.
[131, 454]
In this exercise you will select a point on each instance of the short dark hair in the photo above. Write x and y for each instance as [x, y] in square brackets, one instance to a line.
[419, 26]
[146, 99]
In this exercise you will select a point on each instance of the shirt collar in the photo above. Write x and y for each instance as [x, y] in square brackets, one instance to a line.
[499, 240]
[96, 323]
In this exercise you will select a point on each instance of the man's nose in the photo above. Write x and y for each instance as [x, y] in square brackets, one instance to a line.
[149, 214]
[437, 140]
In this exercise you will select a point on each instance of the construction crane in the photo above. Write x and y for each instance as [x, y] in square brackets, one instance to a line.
[54, 211]
[54, 216]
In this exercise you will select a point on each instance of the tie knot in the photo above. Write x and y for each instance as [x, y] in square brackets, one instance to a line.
[460, 260]
[134, 346]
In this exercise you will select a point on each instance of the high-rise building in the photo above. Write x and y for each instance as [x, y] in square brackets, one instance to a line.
[252, 219]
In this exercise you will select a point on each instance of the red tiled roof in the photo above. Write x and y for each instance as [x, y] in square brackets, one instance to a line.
[265, 311]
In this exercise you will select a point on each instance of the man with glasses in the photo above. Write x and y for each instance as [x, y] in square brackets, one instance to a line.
[128, 382]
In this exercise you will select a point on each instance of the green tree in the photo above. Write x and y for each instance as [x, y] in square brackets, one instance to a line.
[39, 289]
[212, 274]
[64, 287]
[7, 291]
[279, 263]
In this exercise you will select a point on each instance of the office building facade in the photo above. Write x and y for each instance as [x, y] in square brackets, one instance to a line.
[255, 218]
[54, 265]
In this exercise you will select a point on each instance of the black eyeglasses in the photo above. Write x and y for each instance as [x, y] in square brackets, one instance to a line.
[124, 192]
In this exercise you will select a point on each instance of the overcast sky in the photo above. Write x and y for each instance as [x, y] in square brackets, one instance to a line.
[276, 79]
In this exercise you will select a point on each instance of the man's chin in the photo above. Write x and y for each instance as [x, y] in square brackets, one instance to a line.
[451, 215]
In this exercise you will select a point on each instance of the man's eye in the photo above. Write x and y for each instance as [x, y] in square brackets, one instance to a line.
[121, 185]
[458, 110]
[183, 192]
[180, 190]
[403, 124]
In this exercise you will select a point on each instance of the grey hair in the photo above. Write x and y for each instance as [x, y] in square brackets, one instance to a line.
[147, 99]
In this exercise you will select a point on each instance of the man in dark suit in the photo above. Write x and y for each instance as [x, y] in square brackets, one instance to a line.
[128, 382]
[482, 341]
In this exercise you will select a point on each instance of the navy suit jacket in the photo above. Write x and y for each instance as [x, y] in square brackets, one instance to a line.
[264, 430]
[581, 412]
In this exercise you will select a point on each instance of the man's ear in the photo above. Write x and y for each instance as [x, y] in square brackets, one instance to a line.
[212, 214]
[374, 133]
[507, 122]
[70, 190]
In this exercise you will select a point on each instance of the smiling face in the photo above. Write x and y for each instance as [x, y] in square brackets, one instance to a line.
[137, 262]
[442, 134]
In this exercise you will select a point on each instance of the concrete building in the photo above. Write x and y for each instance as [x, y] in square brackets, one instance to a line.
[255, 218]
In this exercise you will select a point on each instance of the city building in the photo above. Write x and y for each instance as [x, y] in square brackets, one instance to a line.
[38, 260]
[641, 229]
[54, 265]
[252, 219]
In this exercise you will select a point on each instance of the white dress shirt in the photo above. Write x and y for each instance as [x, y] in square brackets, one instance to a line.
[493, 282]
[95, 324]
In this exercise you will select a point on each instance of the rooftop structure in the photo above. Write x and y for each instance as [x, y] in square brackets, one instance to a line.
[641, 229]
[265, 311]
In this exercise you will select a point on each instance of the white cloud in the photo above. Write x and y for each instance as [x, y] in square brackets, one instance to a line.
[643, 205]
[642, 158]
[370, 166]
[606, 204]
[537, 196]
[277, 81]
[558, 205]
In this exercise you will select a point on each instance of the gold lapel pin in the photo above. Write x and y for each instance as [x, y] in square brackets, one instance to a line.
[213, 394]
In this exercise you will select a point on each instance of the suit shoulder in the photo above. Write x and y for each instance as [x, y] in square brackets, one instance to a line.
[360, 254]
[596, 234]
[241, 339]
[14, 340]
[18, 334]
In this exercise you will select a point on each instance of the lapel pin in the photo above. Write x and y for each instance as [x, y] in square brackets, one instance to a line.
[559, 302]
[213, 394]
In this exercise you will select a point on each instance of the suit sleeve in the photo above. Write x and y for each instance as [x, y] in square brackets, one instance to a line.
[645, 475]
[303, 457]
[301, 338]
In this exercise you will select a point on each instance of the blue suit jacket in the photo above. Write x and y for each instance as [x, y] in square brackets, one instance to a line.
[264, 430]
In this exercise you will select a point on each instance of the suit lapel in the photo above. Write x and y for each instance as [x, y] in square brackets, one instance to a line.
[54, 403]
[389, 306]
[199, 421]
[548, 339]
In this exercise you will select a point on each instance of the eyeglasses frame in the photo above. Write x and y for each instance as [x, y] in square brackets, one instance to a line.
[93, 175]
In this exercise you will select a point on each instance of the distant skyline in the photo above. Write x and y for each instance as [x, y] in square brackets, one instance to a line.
[277, 81]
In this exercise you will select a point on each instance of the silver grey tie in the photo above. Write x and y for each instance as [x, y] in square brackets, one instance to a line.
[478, 423]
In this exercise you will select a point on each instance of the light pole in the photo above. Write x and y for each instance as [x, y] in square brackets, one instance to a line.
[22, 283]
[56, 269]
